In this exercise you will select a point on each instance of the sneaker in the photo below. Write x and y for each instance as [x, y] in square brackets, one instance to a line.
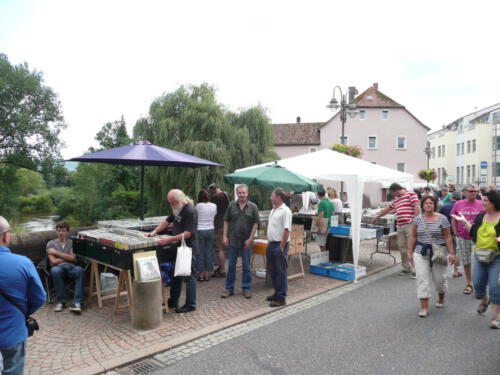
[184, 309]
[226, 294]
[76, 308]
[413, 275]
[277, 303]
[59, 307]
[270, 298]
[247, 294]
[404, 273]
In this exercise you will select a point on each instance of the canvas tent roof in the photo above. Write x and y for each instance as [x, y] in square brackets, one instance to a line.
[331, 165]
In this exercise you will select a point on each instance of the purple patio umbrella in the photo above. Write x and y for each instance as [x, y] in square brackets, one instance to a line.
[144, 153]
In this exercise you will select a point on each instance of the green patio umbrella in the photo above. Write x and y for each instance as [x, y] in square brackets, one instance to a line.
[273, 176]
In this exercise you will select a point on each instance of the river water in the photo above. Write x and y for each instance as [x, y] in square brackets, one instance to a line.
[39, 223]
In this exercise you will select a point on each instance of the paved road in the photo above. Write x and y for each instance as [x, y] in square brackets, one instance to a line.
[372, 328]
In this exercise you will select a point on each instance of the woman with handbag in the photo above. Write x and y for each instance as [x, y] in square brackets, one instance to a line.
[430, 249]
[485, 234]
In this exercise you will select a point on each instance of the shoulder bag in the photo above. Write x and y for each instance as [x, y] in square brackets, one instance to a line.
[439, 252]
[31, 323]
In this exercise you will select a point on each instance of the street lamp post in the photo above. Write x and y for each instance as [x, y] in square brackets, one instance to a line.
[345, 109]
[428, 152]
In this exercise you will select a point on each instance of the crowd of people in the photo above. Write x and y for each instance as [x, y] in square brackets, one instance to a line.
[466, 225]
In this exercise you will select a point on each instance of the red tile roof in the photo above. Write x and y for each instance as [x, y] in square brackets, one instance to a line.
[297, 133]
[371, 97]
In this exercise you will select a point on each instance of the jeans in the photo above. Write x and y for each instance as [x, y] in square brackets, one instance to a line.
[176, 288]
[205, 249]
[277, 266]
[246, 279]
[13, 359]
[486, 275]
[63, 272]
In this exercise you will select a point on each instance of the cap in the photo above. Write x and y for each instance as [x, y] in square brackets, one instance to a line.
[4, 225]
[212, 186]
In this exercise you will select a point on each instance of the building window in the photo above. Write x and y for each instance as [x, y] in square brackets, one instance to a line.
[473, 167]
[457, 179]
[468, 174]
[462, 174]
[372, 142]
[385, 114]
[313, 149]
[401, 167]
[433, 152]
[442, 151]
[401, 142]
[463, 148]
[458, 149]
[439, 151]
[362, 114]
[346, 140]
[497, 142]
[439, 175]
[468, 147]
[473, 145]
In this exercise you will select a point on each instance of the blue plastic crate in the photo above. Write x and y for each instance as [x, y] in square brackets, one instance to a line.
[342, 273]
[320, 269]
[342, 230]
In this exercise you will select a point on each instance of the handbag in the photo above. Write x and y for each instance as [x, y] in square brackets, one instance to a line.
[486, 256]
[439, 252]
[183, 260]
[31, 322]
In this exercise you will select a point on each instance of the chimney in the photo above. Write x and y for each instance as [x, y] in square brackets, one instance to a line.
[352, 93]
[298, 119]
[375, 86]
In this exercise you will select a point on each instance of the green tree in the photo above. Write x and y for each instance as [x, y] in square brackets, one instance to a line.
[191, 120]
[30, 117]
[30, 182]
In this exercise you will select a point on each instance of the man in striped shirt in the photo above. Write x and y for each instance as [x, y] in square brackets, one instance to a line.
[407, 206]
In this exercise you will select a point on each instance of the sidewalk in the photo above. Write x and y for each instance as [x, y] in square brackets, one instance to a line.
[99, 340]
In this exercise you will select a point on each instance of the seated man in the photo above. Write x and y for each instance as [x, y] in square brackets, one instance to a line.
[63, 267]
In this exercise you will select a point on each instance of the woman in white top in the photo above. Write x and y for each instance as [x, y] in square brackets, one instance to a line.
[205, 234]
[337, 203]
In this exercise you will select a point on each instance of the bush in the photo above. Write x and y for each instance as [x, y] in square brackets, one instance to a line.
[36, 204]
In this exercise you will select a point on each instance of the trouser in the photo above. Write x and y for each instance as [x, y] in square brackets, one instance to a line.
[219, 246]
[61, 273]
[205, 249]
[487, 275]
[176, 287]
[13, 359]
[246, 277]
[277, 266]
[404, 236]
[426, 274]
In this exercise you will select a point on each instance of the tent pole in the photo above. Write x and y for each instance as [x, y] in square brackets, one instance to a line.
[142, 192]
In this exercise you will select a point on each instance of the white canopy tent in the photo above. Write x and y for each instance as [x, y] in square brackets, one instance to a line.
[331, 165]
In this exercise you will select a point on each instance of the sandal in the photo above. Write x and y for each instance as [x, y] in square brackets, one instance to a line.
[439, 304]
[483, 307]
[457, 274]
[495, 324]
[468, 289]
[207, 278]
[423, 313]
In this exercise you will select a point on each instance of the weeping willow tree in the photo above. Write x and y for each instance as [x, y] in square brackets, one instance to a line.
[190, 120]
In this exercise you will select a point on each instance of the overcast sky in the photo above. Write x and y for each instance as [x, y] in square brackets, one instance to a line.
[106, 58]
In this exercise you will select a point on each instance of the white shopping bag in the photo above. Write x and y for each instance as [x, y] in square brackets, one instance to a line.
[183, 260]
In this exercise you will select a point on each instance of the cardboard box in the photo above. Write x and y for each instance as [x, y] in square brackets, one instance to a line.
[319, 225]
[320, 257]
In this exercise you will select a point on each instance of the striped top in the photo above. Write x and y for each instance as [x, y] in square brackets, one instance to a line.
[404, 206]
[435, 230]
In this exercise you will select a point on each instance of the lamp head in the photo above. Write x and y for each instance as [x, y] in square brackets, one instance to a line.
[334, 104]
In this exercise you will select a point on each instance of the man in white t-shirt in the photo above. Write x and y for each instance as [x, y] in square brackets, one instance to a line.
[278, 237]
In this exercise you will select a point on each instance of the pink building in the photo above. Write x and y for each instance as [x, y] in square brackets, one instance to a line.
[387, 133]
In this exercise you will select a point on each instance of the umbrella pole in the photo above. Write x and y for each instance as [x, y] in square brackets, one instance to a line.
[142, 192]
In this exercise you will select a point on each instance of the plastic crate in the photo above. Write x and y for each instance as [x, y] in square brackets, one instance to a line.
[360, 270]
[321, 269]
[122, 259]
[342, 230]
[340, 272]
[79, 246]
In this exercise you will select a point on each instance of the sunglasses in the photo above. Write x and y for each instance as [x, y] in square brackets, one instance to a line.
[472, 191]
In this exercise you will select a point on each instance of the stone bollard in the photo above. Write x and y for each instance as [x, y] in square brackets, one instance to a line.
[147, 298]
